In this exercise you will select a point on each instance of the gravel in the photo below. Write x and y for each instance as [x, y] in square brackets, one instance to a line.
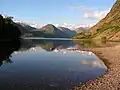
[111, 79]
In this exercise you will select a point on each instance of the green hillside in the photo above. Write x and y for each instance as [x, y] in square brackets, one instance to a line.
[108, 27]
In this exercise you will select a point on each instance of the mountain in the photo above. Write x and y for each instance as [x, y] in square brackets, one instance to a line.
[53, 32]
[28, 31]
[48, 31]
[82, 29]
[8, 31]
[108, 27]
[48, 45]
[67, 31]
[74, 26]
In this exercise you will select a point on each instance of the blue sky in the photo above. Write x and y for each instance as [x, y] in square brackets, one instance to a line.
[57, 11]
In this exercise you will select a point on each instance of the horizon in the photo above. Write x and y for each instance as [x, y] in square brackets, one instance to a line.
[57, 12]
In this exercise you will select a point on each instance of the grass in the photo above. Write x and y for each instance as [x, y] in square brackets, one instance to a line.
[107, 32]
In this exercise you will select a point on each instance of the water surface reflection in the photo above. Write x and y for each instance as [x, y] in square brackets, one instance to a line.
[6, 49]
[47, 65]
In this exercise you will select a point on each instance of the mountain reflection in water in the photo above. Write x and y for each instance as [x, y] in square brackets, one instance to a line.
[48, 45]
[46, 65]
[6, 49]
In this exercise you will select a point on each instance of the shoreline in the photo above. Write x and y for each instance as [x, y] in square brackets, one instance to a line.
[109, 80]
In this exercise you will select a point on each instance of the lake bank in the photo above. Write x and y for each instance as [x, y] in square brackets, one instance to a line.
[111, 79]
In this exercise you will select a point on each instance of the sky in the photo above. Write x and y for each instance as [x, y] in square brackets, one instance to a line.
[56, 11]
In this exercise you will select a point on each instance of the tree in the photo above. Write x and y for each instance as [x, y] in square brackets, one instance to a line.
[8, 20]
[1, 23]
[8, 30]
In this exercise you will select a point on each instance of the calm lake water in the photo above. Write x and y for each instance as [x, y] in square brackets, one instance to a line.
[40, 64]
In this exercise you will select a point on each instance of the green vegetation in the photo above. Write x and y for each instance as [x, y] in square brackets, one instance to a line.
[83, 35]
[108, 27]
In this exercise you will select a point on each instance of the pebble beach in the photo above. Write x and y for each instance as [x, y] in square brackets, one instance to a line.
[111, 79]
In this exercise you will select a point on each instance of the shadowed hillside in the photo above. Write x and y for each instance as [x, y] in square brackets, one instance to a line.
[51, 31]
[8, 31]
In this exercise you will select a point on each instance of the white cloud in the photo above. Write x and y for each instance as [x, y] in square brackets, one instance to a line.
[39, 25]
[95, 14]
[74, 26]
[91, 13]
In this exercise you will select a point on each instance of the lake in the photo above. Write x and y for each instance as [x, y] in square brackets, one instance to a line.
[46, 64]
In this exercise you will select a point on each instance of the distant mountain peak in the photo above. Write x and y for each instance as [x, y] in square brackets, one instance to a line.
[48, 27]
